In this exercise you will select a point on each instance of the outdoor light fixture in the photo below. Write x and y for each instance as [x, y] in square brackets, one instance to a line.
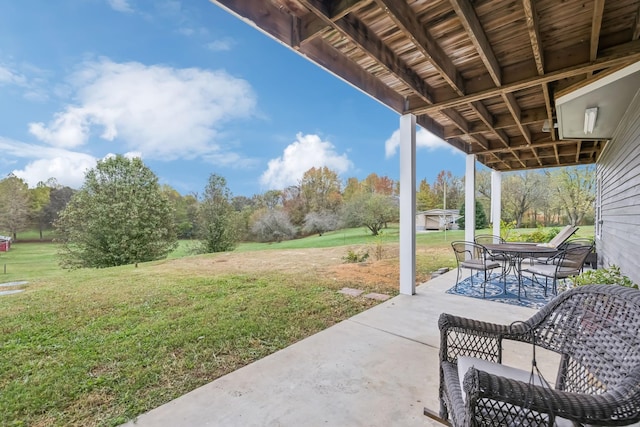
[590, 115]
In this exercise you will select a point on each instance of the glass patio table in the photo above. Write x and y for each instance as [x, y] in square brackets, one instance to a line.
[516, 252]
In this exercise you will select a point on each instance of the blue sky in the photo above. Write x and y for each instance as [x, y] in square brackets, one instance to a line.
[189, 88]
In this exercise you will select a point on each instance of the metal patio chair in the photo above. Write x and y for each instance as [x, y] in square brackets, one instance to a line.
[578, 241]
[567, 263]
[503, 258]
[474, 257]
[594, 329]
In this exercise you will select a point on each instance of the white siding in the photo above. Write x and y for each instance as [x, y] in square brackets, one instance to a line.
[618, 172]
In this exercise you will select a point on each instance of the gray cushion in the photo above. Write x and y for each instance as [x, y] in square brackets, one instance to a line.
[477, 264]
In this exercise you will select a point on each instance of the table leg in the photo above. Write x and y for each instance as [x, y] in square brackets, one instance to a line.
[519, 273]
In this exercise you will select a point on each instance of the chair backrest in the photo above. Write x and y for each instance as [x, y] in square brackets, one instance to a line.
[578, 241]
[574, 256]
[464, 250]
[595, 329]
[484, 239]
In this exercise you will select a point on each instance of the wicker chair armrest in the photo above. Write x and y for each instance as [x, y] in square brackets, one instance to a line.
[461, 336]
[611, 408]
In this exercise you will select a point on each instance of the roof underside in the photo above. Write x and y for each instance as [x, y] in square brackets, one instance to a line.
[481, 74]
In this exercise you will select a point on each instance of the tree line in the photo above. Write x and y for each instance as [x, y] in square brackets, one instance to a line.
[122, 215]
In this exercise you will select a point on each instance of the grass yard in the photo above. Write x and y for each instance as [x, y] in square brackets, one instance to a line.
[98, 347]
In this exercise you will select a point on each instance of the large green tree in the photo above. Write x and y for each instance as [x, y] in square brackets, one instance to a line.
[575, 191]
[425, 198]
[218, 223]
[59, 197]
[14, 205]
[481, 217]
[119, 216]
[520, 193]
[39, 198]
[320, 189]
[448, 190]
[370, 210]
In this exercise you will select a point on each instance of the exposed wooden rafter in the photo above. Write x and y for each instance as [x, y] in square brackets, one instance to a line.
[402, 15]
[631, 54]
[472, 25]
[534, 34]
[596, 24]
[636, 26]
[549, 107]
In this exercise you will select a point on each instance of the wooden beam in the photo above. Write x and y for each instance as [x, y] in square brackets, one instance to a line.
[488, 120]
[534, 116]
[459, 121]
[618, 56]
[636, 26]
[483, 113]
[312, 25]
[431, 125]
[341, 8]
[306, 28]
[372, 45]
[534, 34]
[403, 16]
[263, 15]
[596, 24]
[549, 106]
[514, 108]
[578, 148]
[535, 154]
[478, 37]
[332, 59]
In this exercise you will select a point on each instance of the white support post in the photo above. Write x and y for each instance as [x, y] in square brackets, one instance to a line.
[496, 201]
[408, 204]
[470, 198]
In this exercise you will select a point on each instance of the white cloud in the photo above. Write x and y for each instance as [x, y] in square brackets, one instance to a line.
[67, 130]
[120, 5]
[162, 112]
[221, 45]
[8, 76]
[306, 152]
[67, 167]
[424, 139]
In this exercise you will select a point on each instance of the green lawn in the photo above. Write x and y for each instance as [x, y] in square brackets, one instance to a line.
[98, 347]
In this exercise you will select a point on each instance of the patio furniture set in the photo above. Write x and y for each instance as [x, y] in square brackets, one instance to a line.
[553, 261]
[593, 329]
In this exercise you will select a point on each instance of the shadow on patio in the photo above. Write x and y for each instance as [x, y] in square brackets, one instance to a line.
[378, 368]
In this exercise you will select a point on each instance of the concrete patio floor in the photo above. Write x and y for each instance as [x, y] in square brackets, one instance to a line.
[378, 368]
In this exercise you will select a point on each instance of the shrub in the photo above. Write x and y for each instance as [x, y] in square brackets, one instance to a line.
[605, 276]
[541, 235]
[353, 256]
[378, 247]
[506, 228]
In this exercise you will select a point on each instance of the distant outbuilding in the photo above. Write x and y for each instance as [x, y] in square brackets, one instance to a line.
[5, 243]
[437, 219]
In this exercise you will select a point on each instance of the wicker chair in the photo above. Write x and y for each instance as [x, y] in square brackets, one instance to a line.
[595, 330]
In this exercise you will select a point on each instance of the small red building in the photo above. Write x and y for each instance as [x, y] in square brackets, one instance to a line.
[5, 243]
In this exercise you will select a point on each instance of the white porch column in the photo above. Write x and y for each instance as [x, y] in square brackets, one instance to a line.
[496, 201]
[470, 198]
[408, 204]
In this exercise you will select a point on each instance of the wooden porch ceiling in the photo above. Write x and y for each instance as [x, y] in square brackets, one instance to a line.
[481, 74]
